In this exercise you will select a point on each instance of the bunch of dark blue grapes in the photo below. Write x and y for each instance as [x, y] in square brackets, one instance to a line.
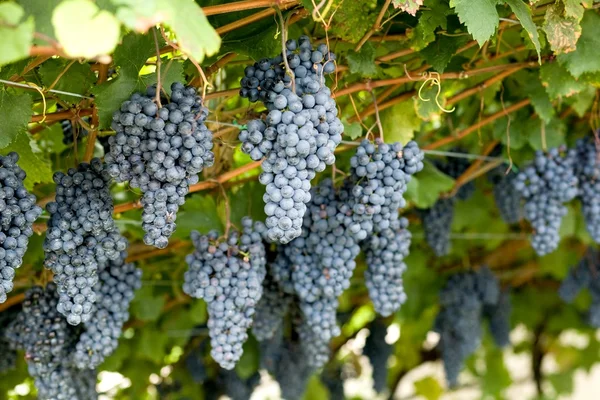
[374, 189]
[270, 310]
[18, 211]
[81, 237]
[546, 184]
[585, 275]
[498, 316]
[459, 321]
[69, 134]
[228, 274]
[235, 387]
[506, 197]
[161, 151]
[47, 340]
[587, 169]
[378, 351]
[385, 253]
[115, 290]
[299, 135]
[437, 220]
[7, 348]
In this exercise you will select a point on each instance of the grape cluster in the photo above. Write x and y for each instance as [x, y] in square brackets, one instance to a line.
[498, 315]
[437, 223]
[160, 150]
[299, 135]
[18, 211]
[378, 352]
[115, 289]
[437, 220]
[237, 388]
[7, 348]
[587, 170]
[507, 199]
[385, 253]
[378, 179]
[459, 322]
[585, 275]
[47, 340]
[228, 275]
[81, 237]
[547, 184]
[270, 310]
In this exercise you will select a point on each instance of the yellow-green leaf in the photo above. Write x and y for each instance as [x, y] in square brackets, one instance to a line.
[16, 33]
[400, 122]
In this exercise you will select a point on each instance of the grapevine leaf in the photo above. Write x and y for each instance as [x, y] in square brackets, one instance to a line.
[249, 362]
[199, 213]
[480, 17]
[16, 33]
[562, 382]
[425, 188]
[539, 98]
[351, 19]
[15, 113]
[170, 72]
[135, 50]
[198, 312]
[38, 169]
[440, 52]
[138, 15]
[429, 388]
[76, 78]
[496, 377]
[523, 13]
[41, 11]
[84, 30]
[195, 35]
[147, 306]
[582, 101]
[152, 344]
[110, 95]
[585, 57]
[431, 18]
[178, 325]
[559, 82]
[562, 32]
[363, 62]
[400, 122]
[573, 9]
[409, 6]
[353, 130]
[554, 133]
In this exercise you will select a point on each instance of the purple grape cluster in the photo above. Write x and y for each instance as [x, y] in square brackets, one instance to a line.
[81, 237]
[228, 274]
[587, 170]
[161, 151]
[18, 211]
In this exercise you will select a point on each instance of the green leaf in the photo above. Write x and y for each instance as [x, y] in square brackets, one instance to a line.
[440, 52]
[170, 72]
[41, 11]
[38, 169]
[133, 52]
[425, 188]
[400, 122]
[562, 382]
[523, 13]
[513, 133]
[431, 18]
[147, 306]
[496, 377]
[573, 9]
[16, 33]
[249, 362]
[559, 82]
[78, 78]
[138, 15]
[109, 96]
[199, 213]
[585, 57]
[351, 19]
[198, 312]
[315, 390]
[426, 105]
[480, 17]
[539, 97]
[352, 130]
[562, 32]
[194, 33]
[84, 30]
[152, 344]
[429, 387]
[409, 6]
[554, 132]
[15, 113]
[582, 101]
[363, 62]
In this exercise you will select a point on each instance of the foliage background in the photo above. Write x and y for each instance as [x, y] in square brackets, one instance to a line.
[522, 74]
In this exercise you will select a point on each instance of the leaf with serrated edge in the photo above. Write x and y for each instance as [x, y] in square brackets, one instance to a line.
[480, 17]
[15, 113]
[585, 57]
[523, 13]
[562, 33]
[37, 169]
[409, 6]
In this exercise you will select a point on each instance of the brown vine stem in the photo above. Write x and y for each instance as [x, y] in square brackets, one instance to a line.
[34, 63]
[376, 26]
[241, 6]
[204, 185]
[385, 105]
[253, 18]
[11, 301]
[222, 93]
[59, 116]
[91, 141]
[357, 87]
[469, 173]
[477, 126]
[482, 86]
